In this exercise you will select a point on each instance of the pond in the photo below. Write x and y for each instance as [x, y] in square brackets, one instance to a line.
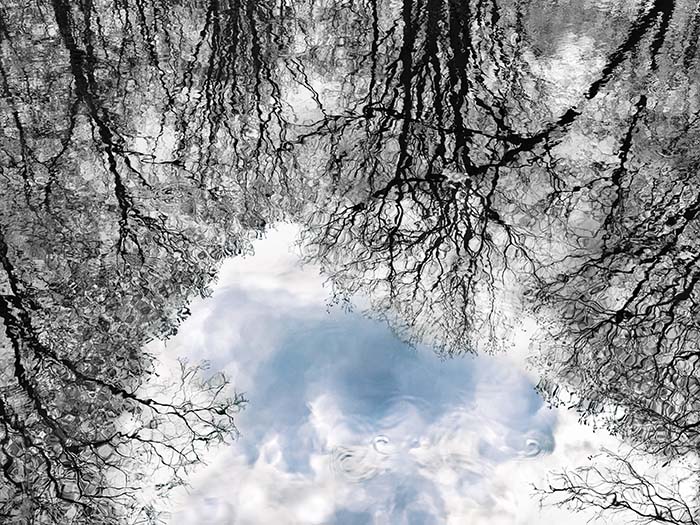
[348, 424]
[427, 248]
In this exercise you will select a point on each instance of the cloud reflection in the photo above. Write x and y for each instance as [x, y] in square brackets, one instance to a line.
[348, 425]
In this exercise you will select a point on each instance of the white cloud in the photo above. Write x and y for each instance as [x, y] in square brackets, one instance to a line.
[348, 425]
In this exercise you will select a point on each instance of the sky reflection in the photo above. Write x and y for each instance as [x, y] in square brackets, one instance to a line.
[348, 425]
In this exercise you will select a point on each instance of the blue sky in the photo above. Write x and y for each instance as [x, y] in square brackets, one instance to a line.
[348, 425]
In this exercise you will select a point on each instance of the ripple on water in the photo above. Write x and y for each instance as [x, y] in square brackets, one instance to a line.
[413, 433]
[363, 462]
[536, 444]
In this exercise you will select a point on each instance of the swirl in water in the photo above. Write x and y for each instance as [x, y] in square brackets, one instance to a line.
[536, 444]
[449, 444]
[362, 463]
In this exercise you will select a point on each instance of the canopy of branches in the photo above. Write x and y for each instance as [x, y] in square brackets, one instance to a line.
[464, 163]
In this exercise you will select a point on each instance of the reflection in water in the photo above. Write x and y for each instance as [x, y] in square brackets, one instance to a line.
[363, 462]
[462, 164]
[341, 410]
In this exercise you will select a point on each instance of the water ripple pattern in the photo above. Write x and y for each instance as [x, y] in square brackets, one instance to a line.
[347, 424]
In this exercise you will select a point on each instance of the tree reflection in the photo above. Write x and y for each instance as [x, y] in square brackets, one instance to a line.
[420, 164]
[114, 213]
[458, 176]
[432, 160]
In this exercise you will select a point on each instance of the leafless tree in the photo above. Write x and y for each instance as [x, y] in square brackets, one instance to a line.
[612, 486]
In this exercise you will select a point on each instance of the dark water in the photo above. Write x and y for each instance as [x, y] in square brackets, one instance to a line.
[464, 165]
